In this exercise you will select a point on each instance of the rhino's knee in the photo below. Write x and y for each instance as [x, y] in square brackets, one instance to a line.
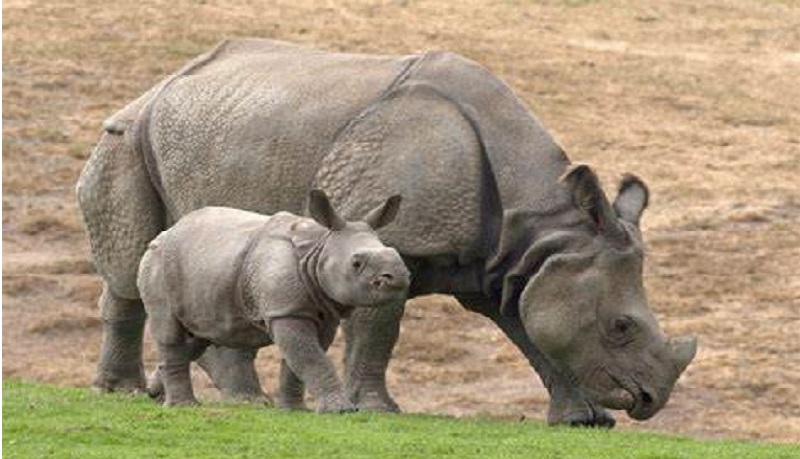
[117, 309]
[122, 286]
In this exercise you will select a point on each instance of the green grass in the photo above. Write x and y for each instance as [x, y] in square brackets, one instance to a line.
[42, 421]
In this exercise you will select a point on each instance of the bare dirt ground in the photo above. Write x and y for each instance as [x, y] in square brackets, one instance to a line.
[700, 98]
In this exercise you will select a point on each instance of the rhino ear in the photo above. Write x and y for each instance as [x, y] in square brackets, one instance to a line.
[384, 213]
[321, 210]
[589, 197]
[632, 199]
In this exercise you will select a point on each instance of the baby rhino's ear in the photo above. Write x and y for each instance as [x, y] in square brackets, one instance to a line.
[384, 213]
[321, 210]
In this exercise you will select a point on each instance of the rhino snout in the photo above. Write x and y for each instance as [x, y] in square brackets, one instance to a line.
[390, 281]
[647, 402]
[388, 270]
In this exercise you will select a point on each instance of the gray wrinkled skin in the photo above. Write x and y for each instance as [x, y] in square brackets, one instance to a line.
[243, 280]
[254, 124]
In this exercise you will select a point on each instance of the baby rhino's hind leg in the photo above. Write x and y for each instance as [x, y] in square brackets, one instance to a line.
[176, 350]
[170, 383]
[174, 370]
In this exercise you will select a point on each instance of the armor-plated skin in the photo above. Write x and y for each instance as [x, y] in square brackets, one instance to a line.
[255, 124]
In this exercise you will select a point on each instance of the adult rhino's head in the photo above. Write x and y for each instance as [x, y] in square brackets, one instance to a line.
[353, 266]
[580, 295]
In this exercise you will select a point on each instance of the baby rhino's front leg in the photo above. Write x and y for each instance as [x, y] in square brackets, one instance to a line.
[299, 343]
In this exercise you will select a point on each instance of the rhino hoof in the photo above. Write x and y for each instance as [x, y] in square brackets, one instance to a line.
[592, 416]
[294, 405]
[344, 407]
[376, 402]
[155, 387]
[249, 397]
[134, 384]
[182, 402]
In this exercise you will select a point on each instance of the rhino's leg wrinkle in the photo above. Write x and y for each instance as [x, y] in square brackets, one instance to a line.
[568, 405]
[370, 337]
[120, 367]
[299, 343]
[233, 372]
[155, 383]
[291, 390]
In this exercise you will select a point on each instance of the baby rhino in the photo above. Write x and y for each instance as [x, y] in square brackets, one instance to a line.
[239, 279]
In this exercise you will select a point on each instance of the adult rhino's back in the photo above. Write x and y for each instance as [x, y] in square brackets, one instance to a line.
[249, 129]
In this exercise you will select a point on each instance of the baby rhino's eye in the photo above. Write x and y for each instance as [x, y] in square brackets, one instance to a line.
[358, 261]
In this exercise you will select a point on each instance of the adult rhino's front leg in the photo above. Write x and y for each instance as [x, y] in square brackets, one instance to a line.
[370, 337]
[568, 404]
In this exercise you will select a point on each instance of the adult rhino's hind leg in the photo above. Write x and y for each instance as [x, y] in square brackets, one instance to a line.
[171, 382]
[122, 214]
[370, 337]
[120, 367]
[233, 372]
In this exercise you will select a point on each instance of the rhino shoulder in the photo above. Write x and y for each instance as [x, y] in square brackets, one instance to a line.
[298, 231]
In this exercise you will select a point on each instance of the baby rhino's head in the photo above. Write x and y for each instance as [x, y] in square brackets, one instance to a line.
[354, 268]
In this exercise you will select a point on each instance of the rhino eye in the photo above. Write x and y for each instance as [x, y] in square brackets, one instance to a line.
[358, 261]
[622, 326]
[622, 330]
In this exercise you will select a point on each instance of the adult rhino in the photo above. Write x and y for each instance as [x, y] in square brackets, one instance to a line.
[494, 213]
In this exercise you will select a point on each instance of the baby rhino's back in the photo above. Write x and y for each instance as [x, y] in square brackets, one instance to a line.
[192, 270]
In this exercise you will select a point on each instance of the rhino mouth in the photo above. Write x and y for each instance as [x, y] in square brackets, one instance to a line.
[635, 399]
[618, 399]
[628, 396]
[645, 405]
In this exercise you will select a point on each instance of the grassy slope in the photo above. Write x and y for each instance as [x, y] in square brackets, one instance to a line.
[41, 421]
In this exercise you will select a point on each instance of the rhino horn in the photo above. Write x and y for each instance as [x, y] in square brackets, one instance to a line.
[683, 350]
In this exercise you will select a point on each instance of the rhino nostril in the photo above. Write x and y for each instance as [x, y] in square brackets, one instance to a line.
[646, 398]
[383, 280]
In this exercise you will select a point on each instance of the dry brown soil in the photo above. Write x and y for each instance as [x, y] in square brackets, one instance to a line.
[701, 98]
